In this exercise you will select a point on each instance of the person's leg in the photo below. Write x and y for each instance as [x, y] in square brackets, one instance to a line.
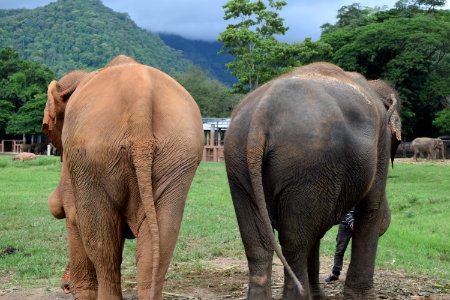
[342, 240]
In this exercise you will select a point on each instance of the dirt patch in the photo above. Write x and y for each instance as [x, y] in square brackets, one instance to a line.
[7, 250]
[411, 161]
[226, 278]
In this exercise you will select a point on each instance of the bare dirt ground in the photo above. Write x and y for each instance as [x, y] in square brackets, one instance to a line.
[226, 278]
[419, 161]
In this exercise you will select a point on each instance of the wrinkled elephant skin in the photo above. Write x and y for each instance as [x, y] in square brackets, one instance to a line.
[300, 151]
[131, 139]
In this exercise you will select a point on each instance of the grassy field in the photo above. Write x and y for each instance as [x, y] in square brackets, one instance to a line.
[33, 244]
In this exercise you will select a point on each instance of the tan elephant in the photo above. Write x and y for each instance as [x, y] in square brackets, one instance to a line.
[131, 139]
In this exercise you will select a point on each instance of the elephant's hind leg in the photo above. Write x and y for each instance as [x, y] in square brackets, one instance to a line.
[101, 228]
[257, 245]
[313, 272]
[296, 255]
[170, 198]
[83, 279]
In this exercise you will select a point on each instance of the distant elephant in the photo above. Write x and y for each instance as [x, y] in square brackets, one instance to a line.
[428, 146]
[130, 139]
[300, 151]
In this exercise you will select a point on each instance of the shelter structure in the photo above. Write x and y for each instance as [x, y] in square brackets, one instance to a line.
[214, 129]
[11, 146]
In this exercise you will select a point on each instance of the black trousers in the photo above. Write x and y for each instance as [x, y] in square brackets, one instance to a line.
[342, 239]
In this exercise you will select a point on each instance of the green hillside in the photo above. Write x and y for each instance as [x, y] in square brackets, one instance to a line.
[74, 34]
[204, 54]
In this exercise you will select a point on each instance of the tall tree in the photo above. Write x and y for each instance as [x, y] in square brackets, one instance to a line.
[20, 80]
[28, 119]
[23, 87]
[259, 56]
[251, 40]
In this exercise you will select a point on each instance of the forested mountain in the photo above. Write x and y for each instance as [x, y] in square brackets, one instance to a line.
[204, 54]
[74, 34]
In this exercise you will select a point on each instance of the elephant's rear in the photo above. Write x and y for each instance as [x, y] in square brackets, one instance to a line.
[134, 142]
[317, 144]
[300, 152]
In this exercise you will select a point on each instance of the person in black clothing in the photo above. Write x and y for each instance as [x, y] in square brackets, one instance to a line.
[342, 239]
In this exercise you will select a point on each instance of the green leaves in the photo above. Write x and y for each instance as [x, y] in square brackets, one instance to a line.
[259, 57]
[213, 98]
[6, 112]
[442, 121]
[29, 117]
[23, 94]
[251, 41]
[79, 34]
[408, 47]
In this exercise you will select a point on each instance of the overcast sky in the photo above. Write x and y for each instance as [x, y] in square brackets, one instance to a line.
[203, 19]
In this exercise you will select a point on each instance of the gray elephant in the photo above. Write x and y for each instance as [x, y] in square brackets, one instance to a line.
[131, 139]
[300, 151]
[428, 146]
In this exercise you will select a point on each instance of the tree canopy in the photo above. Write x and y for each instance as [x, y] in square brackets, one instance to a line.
[408, 46]
[213, 98]
[23, 92]
[259, 56]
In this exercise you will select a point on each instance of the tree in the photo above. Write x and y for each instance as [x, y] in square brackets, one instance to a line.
[6, 112]
[259, 56]
[353, 15]
[29, 117]
[23, 88]
[411, 51]
[442, 121]
[21, 80]
[213, 98]
[251, 41]
[431, 4]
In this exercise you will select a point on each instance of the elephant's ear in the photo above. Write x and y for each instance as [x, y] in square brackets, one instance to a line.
[395, 126]
[49, 112]
[58, 95]
[50, 125]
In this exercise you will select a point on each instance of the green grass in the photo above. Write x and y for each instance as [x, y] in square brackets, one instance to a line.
[417, 241]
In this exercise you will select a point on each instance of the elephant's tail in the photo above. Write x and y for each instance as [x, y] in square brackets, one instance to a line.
[256, 143]
[142, 159]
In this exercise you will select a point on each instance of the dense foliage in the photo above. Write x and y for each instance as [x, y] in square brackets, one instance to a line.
[259, 56]
[82, 34]
[213, 98]
[23, 87]
[409, 46]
